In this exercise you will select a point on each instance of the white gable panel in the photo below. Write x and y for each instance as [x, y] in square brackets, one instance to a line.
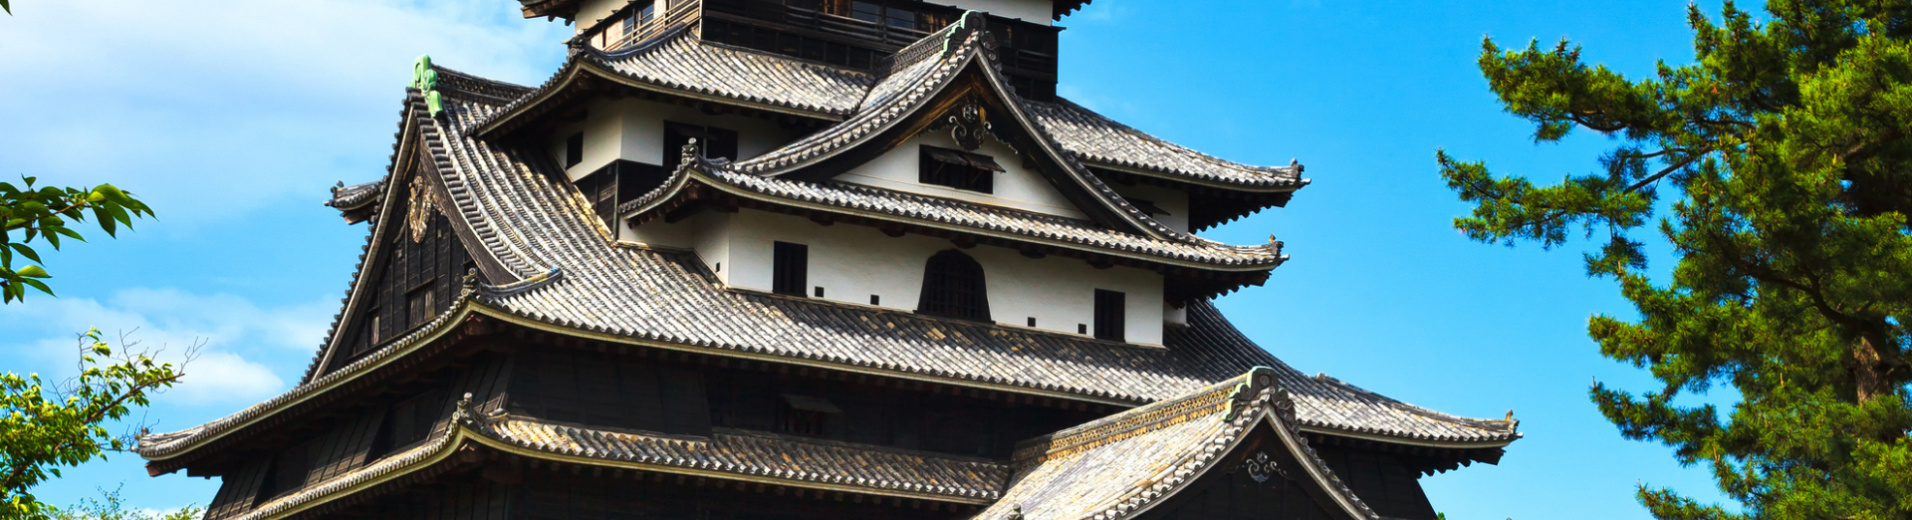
[1017, 187]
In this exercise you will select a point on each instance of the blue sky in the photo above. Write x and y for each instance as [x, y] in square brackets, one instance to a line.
[232, 117]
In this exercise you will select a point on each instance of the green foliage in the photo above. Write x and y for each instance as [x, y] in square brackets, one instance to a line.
[1783, 156]
[45, 214]
[45, 428]
[111, 507]
[1784, 159]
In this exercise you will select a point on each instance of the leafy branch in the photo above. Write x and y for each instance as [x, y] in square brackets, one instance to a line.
[47, 214]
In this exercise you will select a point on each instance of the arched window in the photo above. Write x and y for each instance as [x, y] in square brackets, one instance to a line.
[953, 287]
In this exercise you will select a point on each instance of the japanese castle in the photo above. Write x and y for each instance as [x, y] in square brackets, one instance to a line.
[794, 259]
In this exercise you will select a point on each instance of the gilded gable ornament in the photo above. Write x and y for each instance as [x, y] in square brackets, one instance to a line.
[423, 206]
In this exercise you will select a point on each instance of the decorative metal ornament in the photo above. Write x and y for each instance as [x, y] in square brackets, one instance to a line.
[424, 205]
[1260, 467]
[969, 125]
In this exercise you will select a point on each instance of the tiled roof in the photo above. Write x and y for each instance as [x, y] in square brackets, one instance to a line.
[569, 275]
[763, 456]
[655, 295]
[355, 196]
[680, 61]
[1101, 141]
[906, 206]
[753, 456]
[1122, 465]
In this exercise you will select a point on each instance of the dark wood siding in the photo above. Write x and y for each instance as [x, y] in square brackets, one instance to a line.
[1230, 492]
[334, 451]
[564, 496]
[459, 498]
[411, 282]
[237, 491]
[590, 390]
[1392, 488]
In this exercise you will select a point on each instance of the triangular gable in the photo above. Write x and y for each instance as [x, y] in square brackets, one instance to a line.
[1232, 450]
[950, 82]
[416, 258]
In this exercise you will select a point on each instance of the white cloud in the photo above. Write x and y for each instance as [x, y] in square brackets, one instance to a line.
[234, 336]
[229, 105]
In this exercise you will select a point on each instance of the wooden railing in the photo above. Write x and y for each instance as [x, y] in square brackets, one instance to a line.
[615, 32]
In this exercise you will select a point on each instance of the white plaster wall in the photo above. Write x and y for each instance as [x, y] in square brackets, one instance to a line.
[602, 131]
[642, 135]
[1016, 187]
[1033, 11]
[657, 232]
[853, 262]
[633, 129]
[1172, 200]
[1170, 314]
[710, 236]
[592, 11]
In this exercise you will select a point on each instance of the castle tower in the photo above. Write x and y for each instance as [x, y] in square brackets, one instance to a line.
[767, 259]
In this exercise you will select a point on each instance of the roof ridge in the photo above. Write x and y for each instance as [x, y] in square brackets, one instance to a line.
[1135, 421]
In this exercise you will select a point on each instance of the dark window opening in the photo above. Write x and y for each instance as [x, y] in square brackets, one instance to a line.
[1032, 321]
[1110, 308]
[958, 169]
[790, 268]
[616, 183]
[1082, 328]
[805, 415]
[419, 304]
[876, 300]
[953, 287]
[712, 142]
[819, 291]
[574, 149]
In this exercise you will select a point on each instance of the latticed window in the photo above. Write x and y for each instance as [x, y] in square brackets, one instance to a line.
[789, 268]
[1110, 308]
[958, 169]
[953, 287]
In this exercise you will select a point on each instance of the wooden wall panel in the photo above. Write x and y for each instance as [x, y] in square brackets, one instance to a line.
[237, 491]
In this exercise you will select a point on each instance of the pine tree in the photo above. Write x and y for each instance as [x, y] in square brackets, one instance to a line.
[1782, 162]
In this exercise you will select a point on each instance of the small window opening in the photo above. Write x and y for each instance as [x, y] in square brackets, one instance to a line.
[574, 150]
[1032, 321]
[790, 268]
[1082, 328]
[876, 300]
[1110, 307]
[958, 169]
[805, 415]
[819, 292]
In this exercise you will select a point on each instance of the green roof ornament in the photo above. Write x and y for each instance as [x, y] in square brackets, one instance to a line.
[425, 79]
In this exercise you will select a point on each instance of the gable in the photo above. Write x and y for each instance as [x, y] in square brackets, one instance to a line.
[1017, 186]
[417, 271]
[1260, 479]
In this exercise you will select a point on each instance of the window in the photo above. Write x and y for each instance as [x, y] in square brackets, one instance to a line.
[958, 169]
[574, 150]
[616, 183]
[790, 268]
[805, 415]
[419, 305]
[639, 17]
[878, 14]
[1109, 310]
[953, 287]
[712, 142]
